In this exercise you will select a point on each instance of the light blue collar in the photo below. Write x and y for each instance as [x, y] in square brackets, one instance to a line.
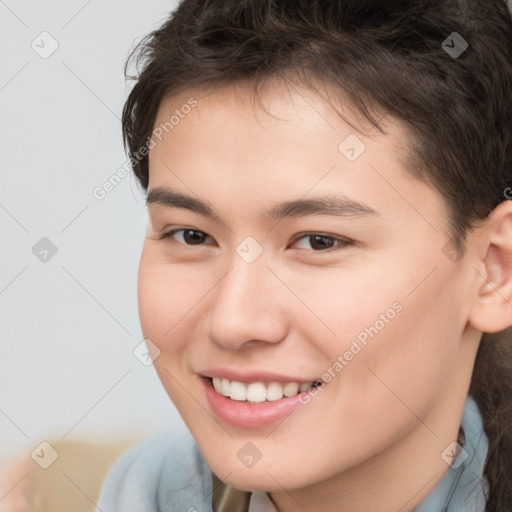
[167, 472]
[464, 487]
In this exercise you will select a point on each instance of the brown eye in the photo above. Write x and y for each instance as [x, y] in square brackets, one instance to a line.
[193, 237]
[186, 236]
[319, 242]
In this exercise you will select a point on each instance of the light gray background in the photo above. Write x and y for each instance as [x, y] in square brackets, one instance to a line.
[68, 326]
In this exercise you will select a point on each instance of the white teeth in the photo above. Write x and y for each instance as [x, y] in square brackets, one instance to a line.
[217, 384]
[257, 391]
[224, 387]
[275, 391]
[291, 388]
[237, 391]
[305, 386]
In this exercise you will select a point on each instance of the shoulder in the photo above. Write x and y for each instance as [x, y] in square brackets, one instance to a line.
[161, 471]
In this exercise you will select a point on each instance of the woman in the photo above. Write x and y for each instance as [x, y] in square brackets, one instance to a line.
[326, 278]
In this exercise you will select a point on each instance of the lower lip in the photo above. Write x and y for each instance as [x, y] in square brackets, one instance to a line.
[245, 415]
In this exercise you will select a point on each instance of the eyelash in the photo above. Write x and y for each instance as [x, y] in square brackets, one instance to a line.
[343, 242]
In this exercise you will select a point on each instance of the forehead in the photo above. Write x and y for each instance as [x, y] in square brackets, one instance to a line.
[279, 98]
[223, 142]
[283, 117]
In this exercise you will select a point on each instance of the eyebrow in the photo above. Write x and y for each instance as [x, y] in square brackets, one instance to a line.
[332, 204]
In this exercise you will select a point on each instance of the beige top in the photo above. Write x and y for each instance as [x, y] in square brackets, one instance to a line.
[228, 499]
[261, 502]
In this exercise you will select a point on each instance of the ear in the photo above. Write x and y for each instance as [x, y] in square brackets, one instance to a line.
[492, 308]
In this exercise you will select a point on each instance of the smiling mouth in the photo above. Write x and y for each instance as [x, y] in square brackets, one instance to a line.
[258, 392]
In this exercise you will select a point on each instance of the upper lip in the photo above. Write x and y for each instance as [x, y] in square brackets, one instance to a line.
[252, 376]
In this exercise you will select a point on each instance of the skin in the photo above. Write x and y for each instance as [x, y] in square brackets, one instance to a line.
[372, 438]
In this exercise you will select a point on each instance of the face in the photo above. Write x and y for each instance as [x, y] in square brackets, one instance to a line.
[304, 252]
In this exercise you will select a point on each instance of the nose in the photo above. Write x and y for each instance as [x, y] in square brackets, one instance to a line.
[247, 306]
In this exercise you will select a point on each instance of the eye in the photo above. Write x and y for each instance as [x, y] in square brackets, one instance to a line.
[322, 243]
[186, 236]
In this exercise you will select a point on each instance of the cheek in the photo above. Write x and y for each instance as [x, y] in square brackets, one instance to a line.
[167, 303]
[349, 304]
[166, 300]
[401, 346]
[396, 320]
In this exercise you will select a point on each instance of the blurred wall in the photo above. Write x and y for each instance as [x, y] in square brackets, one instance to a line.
[68, 265]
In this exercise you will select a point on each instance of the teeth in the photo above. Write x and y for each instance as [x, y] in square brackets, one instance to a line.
[225, 387]
[275, 391]
[305, 386]
[257, 391]
[237, 391]
[291, 388]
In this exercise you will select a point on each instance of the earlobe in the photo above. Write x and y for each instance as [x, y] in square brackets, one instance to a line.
[492, 307]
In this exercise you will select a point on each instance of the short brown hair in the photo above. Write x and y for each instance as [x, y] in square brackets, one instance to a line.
[391, 55]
